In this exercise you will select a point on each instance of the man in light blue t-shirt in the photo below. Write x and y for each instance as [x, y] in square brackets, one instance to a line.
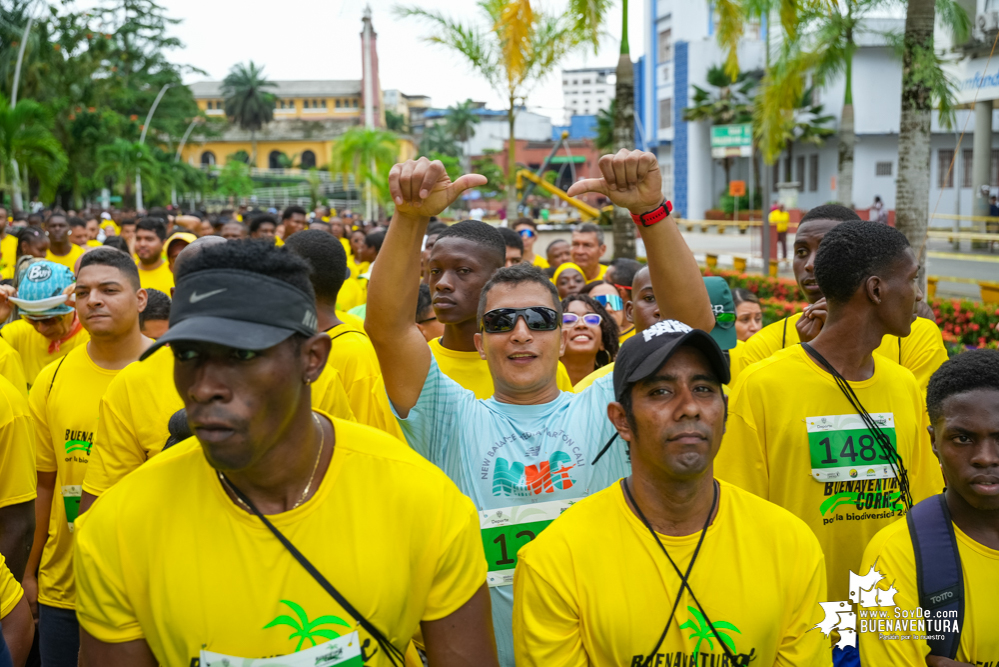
[528, 452]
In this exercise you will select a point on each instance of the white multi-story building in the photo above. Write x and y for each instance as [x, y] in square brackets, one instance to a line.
[492, 130]
[587, 91]
[678, 59]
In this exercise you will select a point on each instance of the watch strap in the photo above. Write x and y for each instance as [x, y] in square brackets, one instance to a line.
[657, 214]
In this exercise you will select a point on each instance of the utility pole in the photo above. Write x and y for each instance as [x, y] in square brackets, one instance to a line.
[142, 140]
[176, 158]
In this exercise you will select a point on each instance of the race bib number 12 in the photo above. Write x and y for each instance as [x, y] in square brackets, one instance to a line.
[842, 448]
[506, 530]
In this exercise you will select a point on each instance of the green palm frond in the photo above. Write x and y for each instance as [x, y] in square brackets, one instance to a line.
[247, 102]
[284, 619]
[467, 40]
[588, 19]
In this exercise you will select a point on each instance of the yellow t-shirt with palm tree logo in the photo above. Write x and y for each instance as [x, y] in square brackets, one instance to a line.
[595, 589]
[165, 555]
[64, 404]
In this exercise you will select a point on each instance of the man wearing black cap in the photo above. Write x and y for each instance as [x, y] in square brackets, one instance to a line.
[274, 515]
[670, 565]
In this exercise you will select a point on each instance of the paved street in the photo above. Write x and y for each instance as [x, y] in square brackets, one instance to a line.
[941, 261]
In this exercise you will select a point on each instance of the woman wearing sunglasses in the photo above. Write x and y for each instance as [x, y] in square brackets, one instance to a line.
[569, 279]
[590, 336]
[607, 296]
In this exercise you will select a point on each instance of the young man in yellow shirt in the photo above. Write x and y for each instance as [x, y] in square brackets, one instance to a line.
[963, 405]
[462, 260]
[47, 331]
[781, 219]
[669, 566]
[17, 477]
[265, 480]
[8, 244]
[61, 249]
[827, 429]
[529, 445]
[922, 351]
[154, 271]
[64, 404]
[587, 249]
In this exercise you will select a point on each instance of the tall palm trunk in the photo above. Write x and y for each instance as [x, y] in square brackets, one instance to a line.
[624, 135]
[511, 165]
[911, 202]
[847, 137]
[253, 148]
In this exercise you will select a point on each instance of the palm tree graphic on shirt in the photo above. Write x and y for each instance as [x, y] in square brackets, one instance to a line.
[304, 629]
[702, 631]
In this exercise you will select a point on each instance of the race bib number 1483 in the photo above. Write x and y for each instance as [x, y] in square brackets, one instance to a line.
[842, 448]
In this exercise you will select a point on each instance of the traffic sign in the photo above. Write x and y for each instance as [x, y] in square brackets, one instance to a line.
[737, 188]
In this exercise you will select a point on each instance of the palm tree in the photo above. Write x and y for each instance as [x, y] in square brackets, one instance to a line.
[367, 154]
[805, 124]
[461, 122]
[517, 50]
[624, 134]
[702, 631]
[923, 82]
[439, 139]
[304, 629]
[26, 139]
[246, 102]
[121, 159]
[730, 103]
[604, 141]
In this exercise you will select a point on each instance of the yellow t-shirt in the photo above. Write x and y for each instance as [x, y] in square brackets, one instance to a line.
[160, 278]
[781, 219]
[787, 419]
[8, 255]
[406, 549]
[600, 276]
[892, 555]
[356, 268]
[92, 243]
[595, 590]
[34, 347]
[353, 356]
[625, 335]
[10, 591]
[12, 368]
[351, 295]
[64, 404]
[472, 371]
[136, 409]
[18, 478]
[540, 261]
[351, 319]
[68, 260]
[922, 351]
[593, 377]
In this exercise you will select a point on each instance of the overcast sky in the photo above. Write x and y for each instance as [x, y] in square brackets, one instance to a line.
[320, 39]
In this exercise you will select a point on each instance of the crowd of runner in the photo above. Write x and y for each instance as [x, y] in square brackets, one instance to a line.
[298, 439]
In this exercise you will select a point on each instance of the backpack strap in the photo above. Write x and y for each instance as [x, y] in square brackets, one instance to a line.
[939, 578]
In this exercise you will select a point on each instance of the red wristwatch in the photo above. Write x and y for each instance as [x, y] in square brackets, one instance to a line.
[657, 214]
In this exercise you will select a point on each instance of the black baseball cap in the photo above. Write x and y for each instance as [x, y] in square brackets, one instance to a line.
[644, 353]
[238, 309]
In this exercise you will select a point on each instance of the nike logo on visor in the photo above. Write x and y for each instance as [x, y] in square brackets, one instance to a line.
[195, 297]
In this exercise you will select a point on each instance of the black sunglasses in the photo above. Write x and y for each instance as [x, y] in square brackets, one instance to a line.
[502, 320]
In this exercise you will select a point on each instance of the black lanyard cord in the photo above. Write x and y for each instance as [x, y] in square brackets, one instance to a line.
[604, 450]
[684, 578]
[395, 656]
[888, 450]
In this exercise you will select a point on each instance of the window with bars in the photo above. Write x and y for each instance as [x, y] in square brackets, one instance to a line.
[966, 162]
[665, 114]
[882, 169]
[813, 173]
[800, 172]
[945, 177]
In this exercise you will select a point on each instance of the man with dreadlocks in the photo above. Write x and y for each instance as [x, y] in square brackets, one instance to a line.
[827, 430]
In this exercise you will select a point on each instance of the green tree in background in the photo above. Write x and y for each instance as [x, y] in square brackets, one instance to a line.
[367, 155]
[234, 180]
[461, 122]
[486, 165]
[121, 160]
[439, 139]
[604, 141]
[247, 102]
[26, 139]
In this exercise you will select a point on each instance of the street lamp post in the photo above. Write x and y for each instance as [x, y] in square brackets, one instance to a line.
[17, 200]
[183, 140]
[142, 140]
